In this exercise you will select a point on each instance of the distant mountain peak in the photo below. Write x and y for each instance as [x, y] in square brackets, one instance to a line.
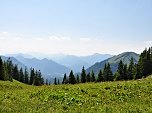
[125, 57]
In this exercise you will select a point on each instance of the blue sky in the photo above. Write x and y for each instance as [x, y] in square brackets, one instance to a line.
[79, 27]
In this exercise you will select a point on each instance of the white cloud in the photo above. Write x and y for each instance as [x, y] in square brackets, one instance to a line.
[59, 38]
[148, 42]
[85, 39]
[5, 33]
[2, 38]
[39, 39]
[17, 38]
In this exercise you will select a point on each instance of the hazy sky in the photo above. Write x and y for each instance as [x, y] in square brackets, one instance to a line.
[78, 27]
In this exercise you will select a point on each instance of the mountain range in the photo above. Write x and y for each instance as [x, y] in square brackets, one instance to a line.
[113, 61]
[76, 63]
[56, 66]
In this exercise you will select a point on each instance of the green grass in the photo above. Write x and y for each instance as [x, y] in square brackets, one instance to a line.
[105, 97]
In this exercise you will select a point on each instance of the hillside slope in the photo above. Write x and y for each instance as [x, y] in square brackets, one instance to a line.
[112, 97]
[125, 57]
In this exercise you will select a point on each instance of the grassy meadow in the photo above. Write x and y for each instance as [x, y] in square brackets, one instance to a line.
[106, 97]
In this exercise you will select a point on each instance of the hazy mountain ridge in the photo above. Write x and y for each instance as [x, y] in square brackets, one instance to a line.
[125, 57]
[48, 68]
[77, 62]
[14, 61]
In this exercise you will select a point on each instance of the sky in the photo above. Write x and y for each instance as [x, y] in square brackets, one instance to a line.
[75, 27]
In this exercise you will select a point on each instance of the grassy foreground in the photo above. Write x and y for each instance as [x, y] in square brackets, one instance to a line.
[105, 97]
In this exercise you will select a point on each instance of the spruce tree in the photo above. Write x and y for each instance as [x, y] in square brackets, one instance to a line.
[138, 74]
[1, 69]
[26, 76]
[10, 69]
[72, 78]
[5, 71]
[120, 70]
[93, 79]
[100, 77]
[55, 81]
[78, 80]
[36, 79]
[131, 69]
[64, 79]
[83, 75]
[41, 79]
[88, 77]
[32, 76]
[21, 75]
[125, 72]
[16, 75]
[107, 73]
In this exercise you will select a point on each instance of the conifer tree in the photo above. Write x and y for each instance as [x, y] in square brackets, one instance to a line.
[21, 75]
[64, 79]
[72, 78]
[1, 69]
[100, 77]
[88, 77]
[78, 80]
[5, 71]
[26, 76]
[10, 69]
[131, 69]
[138, 74]
[55, 81]
[41, 79]
[36, 79]
[16, 75]
[83, 75]
[107, 73]
[125, 72]
[32, 76]
[120, 70]
[93, 79]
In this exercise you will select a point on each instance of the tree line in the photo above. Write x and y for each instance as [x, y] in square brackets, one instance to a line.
[10, 71]
[124, 72]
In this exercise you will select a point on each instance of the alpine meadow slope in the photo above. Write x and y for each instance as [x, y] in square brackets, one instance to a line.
[105, 97]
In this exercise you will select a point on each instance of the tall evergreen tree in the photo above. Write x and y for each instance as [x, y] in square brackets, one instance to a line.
[32, 76]
[100, 76]
[26, 76]
[37, 80]
[5, 71]
[41, 79]
[72, 78]
[93, 79]
[131, 69]
[107, 73]
[88, 77]
[78, 80]
[64, 79]
[83, 75]
[125, 72]
[120, 70]
[1, 69]
[10, 69]
[21, 75]
[16, 73]
[55, 81]
[138, 74]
